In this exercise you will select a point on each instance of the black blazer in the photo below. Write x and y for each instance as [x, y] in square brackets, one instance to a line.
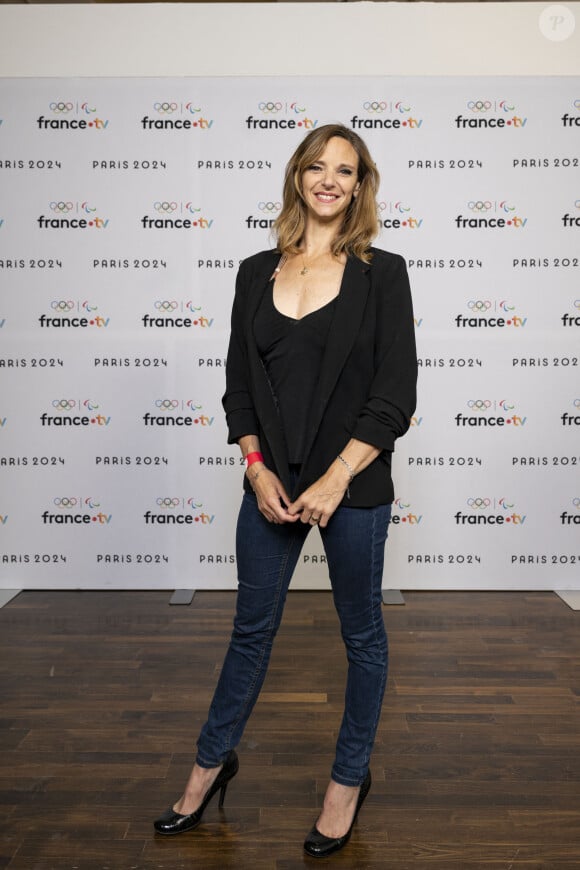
[367, 383]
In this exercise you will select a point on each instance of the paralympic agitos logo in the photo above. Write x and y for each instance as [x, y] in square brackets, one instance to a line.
[490, 214]
[174, 215]
[173, 115]
[72, 115]
[69, 215]
[490, 114]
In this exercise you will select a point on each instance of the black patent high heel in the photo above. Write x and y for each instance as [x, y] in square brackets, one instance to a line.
[319, 846]
[176, 823]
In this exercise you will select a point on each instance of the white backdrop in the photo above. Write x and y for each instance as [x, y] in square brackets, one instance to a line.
[126, 207]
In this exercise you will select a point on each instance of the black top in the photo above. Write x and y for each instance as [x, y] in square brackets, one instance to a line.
[292, 351]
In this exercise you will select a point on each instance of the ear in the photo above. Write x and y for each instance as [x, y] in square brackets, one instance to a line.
[356, 190]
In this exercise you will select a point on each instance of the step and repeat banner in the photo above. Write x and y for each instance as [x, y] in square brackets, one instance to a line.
[126, 207]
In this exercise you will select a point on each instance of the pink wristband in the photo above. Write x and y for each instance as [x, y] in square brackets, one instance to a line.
[254, 457]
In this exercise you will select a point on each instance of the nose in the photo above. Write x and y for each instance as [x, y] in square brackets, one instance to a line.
[328, 180]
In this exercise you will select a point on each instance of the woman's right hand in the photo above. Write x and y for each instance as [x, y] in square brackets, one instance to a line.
[272, 498]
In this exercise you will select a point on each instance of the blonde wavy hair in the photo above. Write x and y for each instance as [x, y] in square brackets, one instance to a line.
[360, 224]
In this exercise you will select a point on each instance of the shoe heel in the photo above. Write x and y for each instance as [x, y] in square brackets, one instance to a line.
[223, 790]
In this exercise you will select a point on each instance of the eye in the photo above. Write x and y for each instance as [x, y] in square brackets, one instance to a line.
[314, 167]
[346, 171]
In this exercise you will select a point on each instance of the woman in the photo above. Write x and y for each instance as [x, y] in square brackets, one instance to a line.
[320, 381]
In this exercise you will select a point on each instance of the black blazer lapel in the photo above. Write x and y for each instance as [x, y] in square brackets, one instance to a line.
[344, 329]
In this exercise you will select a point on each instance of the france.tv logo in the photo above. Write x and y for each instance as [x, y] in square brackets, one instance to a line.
[73, 413]
[281, 115]
[171, 313]
[492, 114]
[177, 511]
[572, 120]
[400, 216]
[490, 214]
[489, 413]
[402, 513]
[175, 215]
[69, 313]
[70, 115]
[571, 519]
[490, 314]
[269, 212]
[487, 511]
[171, 412]
[70, 215]
[572, 220]
[73, 510]
[174, 115]
[386, 115]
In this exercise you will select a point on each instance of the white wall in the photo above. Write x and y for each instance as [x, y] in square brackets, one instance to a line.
[289, 39]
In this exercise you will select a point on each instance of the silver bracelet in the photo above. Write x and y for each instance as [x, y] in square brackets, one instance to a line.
[350, 471]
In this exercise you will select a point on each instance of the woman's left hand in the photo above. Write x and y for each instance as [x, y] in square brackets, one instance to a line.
[317, 504]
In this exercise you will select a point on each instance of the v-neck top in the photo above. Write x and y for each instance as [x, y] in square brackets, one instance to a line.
[291, 351]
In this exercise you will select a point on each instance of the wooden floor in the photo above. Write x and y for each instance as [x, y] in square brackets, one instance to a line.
[477, 762]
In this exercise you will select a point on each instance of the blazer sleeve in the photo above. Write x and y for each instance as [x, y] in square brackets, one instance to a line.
[237, 401]
[386, 414]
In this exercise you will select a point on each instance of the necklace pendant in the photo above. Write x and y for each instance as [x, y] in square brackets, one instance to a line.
[304, 271]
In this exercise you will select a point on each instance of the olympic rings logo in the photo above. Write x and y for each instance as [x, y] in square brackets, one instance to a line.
[577, 203]
[577, 303]
[479, 205]
[165, 108]
[60, 107]
[479, 105]
[167, 502]
[64, 404]
[61, 207]
[167, 404]
[479, 305]
[165, 207]
[269, 207]
[377, 106]
[479, 503]
[166, 305]
[62, 305]
[270, 107]
[64, 502]
[381, 206]
[479, 404]
[577, 403]
[576, 502]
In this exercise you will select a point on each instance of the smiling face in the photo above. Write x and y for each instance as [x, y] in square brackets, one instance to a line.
[329, 183]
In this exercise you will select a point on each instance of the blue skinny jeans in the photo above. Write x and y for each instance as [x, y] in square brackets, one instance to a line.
[354, 543]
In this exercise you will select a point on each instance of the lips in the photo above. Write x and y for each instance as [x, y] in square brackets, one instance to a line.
[326, 197]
